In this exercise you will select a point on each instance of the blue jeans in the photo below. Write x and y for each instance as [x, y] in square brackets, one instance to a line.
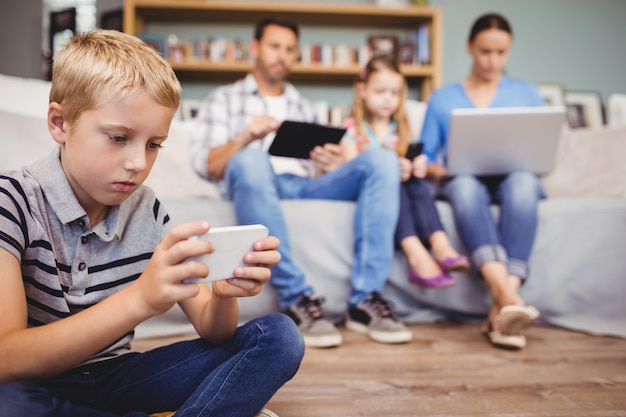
[193, 377]
[511, 240]
[418, 213]
[371, 180]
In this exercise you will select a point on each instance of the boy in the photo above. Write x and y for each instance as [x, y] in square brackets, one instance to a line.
[86, 256]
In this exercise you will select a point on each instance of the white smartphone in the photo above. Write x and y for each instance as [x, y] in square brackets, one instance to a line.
[231, 244]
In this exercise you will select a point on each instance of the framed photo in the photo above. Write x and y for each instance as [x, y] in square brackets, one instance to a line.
[553, 94]
[112, 20]
[189, 108]
[406, 52]
[587, 103]
[383, 45]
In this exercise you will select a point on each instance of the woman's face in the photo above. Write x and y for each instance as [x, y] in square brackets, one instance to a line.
[490, 51]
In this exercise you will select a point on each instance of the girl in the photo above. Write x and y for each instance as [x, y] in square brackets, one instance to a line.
[379, 120]
[499, 252]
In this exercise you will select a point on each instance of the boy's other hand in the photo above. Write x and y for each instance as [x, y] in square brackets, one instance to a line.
[249, 280]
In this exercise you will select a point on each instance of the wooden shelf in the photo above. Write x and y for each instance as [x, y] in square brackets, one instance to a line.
[137, 13]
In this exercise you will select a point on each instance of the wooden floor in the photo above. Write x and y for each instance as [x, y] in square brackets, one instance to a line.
[450, 370]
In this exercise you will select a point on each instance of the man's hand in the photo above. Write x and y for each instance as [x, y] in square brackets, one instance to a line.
[327, 158]
[259, 127]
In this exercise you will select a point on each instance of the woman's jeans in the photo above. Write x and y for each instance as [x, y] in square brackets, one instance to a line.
[418, 213]
[193, 378]
[511, 240]
[371, 180]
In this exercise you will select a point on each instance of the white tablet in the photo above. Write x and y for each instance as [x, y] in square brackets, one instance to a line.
[231, 244]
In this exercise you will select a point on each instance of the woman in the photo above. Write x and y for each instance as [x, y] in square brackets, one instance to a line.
[500, 252]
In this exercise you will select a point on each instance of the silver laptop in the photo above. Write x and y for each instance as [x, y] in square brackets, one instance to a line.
[495, 141]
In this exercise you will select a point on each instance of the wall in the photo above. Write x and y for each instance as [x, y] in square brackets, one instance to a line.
[579, 43]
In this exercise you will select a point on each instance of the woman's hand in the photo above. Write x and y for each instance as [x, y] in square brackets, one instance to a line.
[436, 171]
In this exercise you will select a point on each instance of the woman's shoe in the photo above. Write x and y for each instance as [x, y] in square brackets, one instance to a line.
[454, 263]
[440, 281]
[501, 340]
[514, 318]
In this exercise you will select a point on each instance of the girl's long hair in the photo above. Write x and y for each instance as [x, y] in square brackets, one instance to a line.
[380, 63]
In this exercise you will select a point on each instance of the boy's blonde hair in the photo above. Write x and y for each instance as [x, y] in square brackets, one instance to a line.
[380, 63]
[100, 67]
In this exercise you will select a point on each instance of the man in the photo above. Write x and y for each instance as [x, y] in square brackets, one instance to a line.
[236, 127]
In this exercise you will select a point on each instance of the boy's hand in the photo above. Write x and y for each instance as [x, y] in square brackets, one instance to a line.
[160, 284]
[328, 157]
[249, 280]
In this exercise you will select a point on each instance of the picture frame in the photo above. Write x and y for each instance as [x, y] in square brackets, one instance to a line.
[553, 94]
[589, 105]
[386, 45]
[189, 108]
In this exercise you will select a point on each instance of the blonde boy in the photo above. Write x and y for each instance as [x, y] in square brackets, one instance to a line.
[86, 255]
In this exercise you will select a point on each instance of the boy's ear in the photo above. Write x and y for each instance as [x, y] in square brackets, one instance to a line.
[56, 123]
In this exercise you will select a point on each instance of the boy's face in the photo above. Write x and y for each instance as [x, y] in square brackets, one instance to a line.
[109, 151]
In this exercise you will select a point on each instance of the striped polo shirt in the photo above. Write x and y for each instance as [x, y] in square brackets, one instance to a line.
[68, 264]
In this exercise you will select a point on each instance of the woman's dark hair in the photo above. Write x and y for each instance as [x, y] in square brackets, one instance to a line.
[489, 21]
[262, 24]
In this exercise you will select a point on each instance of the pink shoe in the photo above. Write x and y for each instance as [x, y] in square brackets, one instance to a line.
[454, 263]
[440, 281]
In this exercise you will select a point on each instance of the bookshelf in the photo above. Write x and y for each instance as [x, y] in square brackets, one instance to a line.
[141, 16]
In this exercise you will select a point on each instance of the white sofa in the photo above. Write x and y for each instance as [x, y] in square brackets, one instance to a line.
[578, 270]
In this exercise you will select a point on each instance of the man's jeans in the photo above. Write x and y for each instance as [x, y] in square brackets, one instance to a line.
[510, 240]
[193, 378]
[371, 180]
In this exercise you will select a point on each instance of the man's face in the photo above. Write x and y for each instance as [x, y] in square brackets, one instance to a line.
[275, 53]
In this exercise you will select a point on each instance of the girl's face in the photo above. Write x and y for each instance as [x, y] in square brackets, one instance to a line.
[109, 151]
[490, 51]
[382, 93]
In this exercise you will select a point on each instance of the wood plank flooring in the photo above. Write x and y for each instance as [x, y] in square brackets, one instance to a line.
[449, 369]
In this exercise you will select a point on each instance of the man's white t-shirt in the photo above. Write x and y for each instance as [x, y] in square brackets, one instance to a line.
[276, 106]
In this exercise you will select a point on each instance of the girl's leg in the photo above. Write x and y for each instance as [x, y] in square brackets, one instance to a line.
[406, 237]
[428, 224]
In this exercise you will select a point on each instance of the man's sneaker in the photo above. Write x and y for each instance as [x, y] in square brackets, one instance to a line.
[375, 318]
[316, 329]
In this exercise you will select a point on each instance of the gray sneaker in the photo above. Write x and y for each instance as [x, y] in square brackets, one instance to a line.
[316, 329]
[374, 317]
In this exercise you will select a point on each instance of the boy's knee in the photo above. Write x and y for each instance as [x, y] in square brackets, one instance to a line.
[20, 399]
[287, 342]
